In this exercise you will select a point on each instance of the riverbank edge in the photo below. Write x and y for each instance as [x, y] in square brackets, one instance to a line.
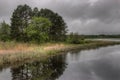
[22, 57]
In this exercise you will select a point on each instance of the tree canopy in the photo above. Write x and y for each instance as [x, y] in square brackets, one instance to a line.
[19, 21]
[43, 25]
[4, 31]
[38, 29]
[58, 28]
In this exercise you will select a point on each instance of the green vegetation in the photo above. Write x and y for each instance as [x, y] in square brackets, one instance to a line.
[19, 21]
[38, 29]
[34, 26]
[74, 38]
[4, 31]
[24, 19]
[58, 29]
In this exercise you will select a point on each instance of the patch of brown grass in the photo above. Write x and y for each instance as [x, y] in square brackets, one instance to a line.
[11, 52]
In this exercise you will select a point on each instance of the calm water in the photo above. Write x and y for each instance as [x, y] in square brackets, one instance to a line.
[95, 64]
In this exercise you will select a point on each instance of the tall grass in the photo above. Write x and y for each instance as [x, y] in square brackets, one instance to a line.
[13, 52]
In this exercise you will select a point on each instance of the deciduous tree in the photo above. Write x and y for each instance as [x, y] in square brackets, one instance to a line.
[38, 29]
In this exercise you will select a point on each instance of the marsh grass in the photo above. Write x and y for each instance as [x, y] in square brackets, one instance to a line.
[12, 52]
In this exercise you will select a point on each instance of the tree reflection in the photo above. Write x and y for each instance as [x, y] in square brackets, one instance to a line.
[49, 69]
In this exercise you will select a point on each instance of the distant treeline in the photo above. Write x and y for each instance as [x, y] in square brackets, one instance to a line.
[99, 36]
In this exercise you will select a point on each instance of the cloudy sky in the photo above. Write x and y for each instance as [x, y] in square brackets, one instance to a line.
[82, 16]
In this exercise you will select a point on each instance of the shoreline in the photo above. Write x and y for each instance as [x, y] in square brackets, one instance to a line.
[33, 52]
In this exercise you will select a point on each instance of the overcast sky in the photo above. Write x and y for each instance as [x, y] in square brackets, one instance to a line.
[82, 16]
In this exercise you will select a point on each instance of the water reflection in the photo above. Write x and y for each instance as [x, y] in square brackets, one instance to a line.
[94, 64]
[106, 70]
[41, 70]
[99, 64]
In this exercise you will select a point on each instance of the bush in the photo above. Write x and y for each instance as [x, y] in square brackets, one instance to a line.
[74, 39]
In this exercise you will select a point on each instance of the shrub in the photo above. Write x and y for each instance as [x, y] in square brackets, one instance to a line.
[74, 38]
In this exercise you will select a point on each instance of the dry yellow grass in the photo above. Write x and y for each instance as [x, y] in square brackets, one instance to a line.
[12, 52]
[11, 47]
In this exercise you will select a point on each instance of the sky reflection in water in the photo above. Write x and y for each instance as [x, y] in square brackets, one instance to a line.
[95, 64]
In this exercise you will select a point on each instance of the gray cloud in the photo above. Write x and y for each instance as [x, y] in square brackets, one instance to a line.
[83, 16]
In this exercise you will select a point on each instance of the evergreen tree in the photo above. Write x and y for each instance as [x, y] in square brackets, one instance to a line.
[35, 12]
[19, 21]
[4, 31]
[58, 29]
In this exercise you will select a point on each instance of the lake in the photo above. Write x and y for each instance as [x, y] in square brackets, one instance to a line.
[94, 64]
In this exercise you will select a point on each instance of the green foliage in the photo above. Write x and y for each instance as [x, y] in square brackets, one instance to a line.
[74, 38]
[19, 21]
[22, 22]
[38, 29]
[58, 29]
[35, 12]
[4, 31]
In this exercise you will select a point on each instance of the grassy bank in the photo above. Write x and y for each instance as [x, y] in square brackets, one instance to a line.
[12, 52]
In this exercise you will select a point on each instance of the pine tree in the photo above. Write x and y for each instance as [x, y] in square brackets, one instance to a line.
[4, 31]
[35, 12]
[19, 21]
[58, 29]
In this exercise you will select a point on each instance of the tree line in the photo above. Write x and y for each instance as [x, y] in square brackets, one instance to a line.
[34, 25]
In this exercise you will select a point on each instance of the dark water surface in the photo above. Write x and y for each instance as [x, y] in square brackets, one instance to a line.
[95, 64]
